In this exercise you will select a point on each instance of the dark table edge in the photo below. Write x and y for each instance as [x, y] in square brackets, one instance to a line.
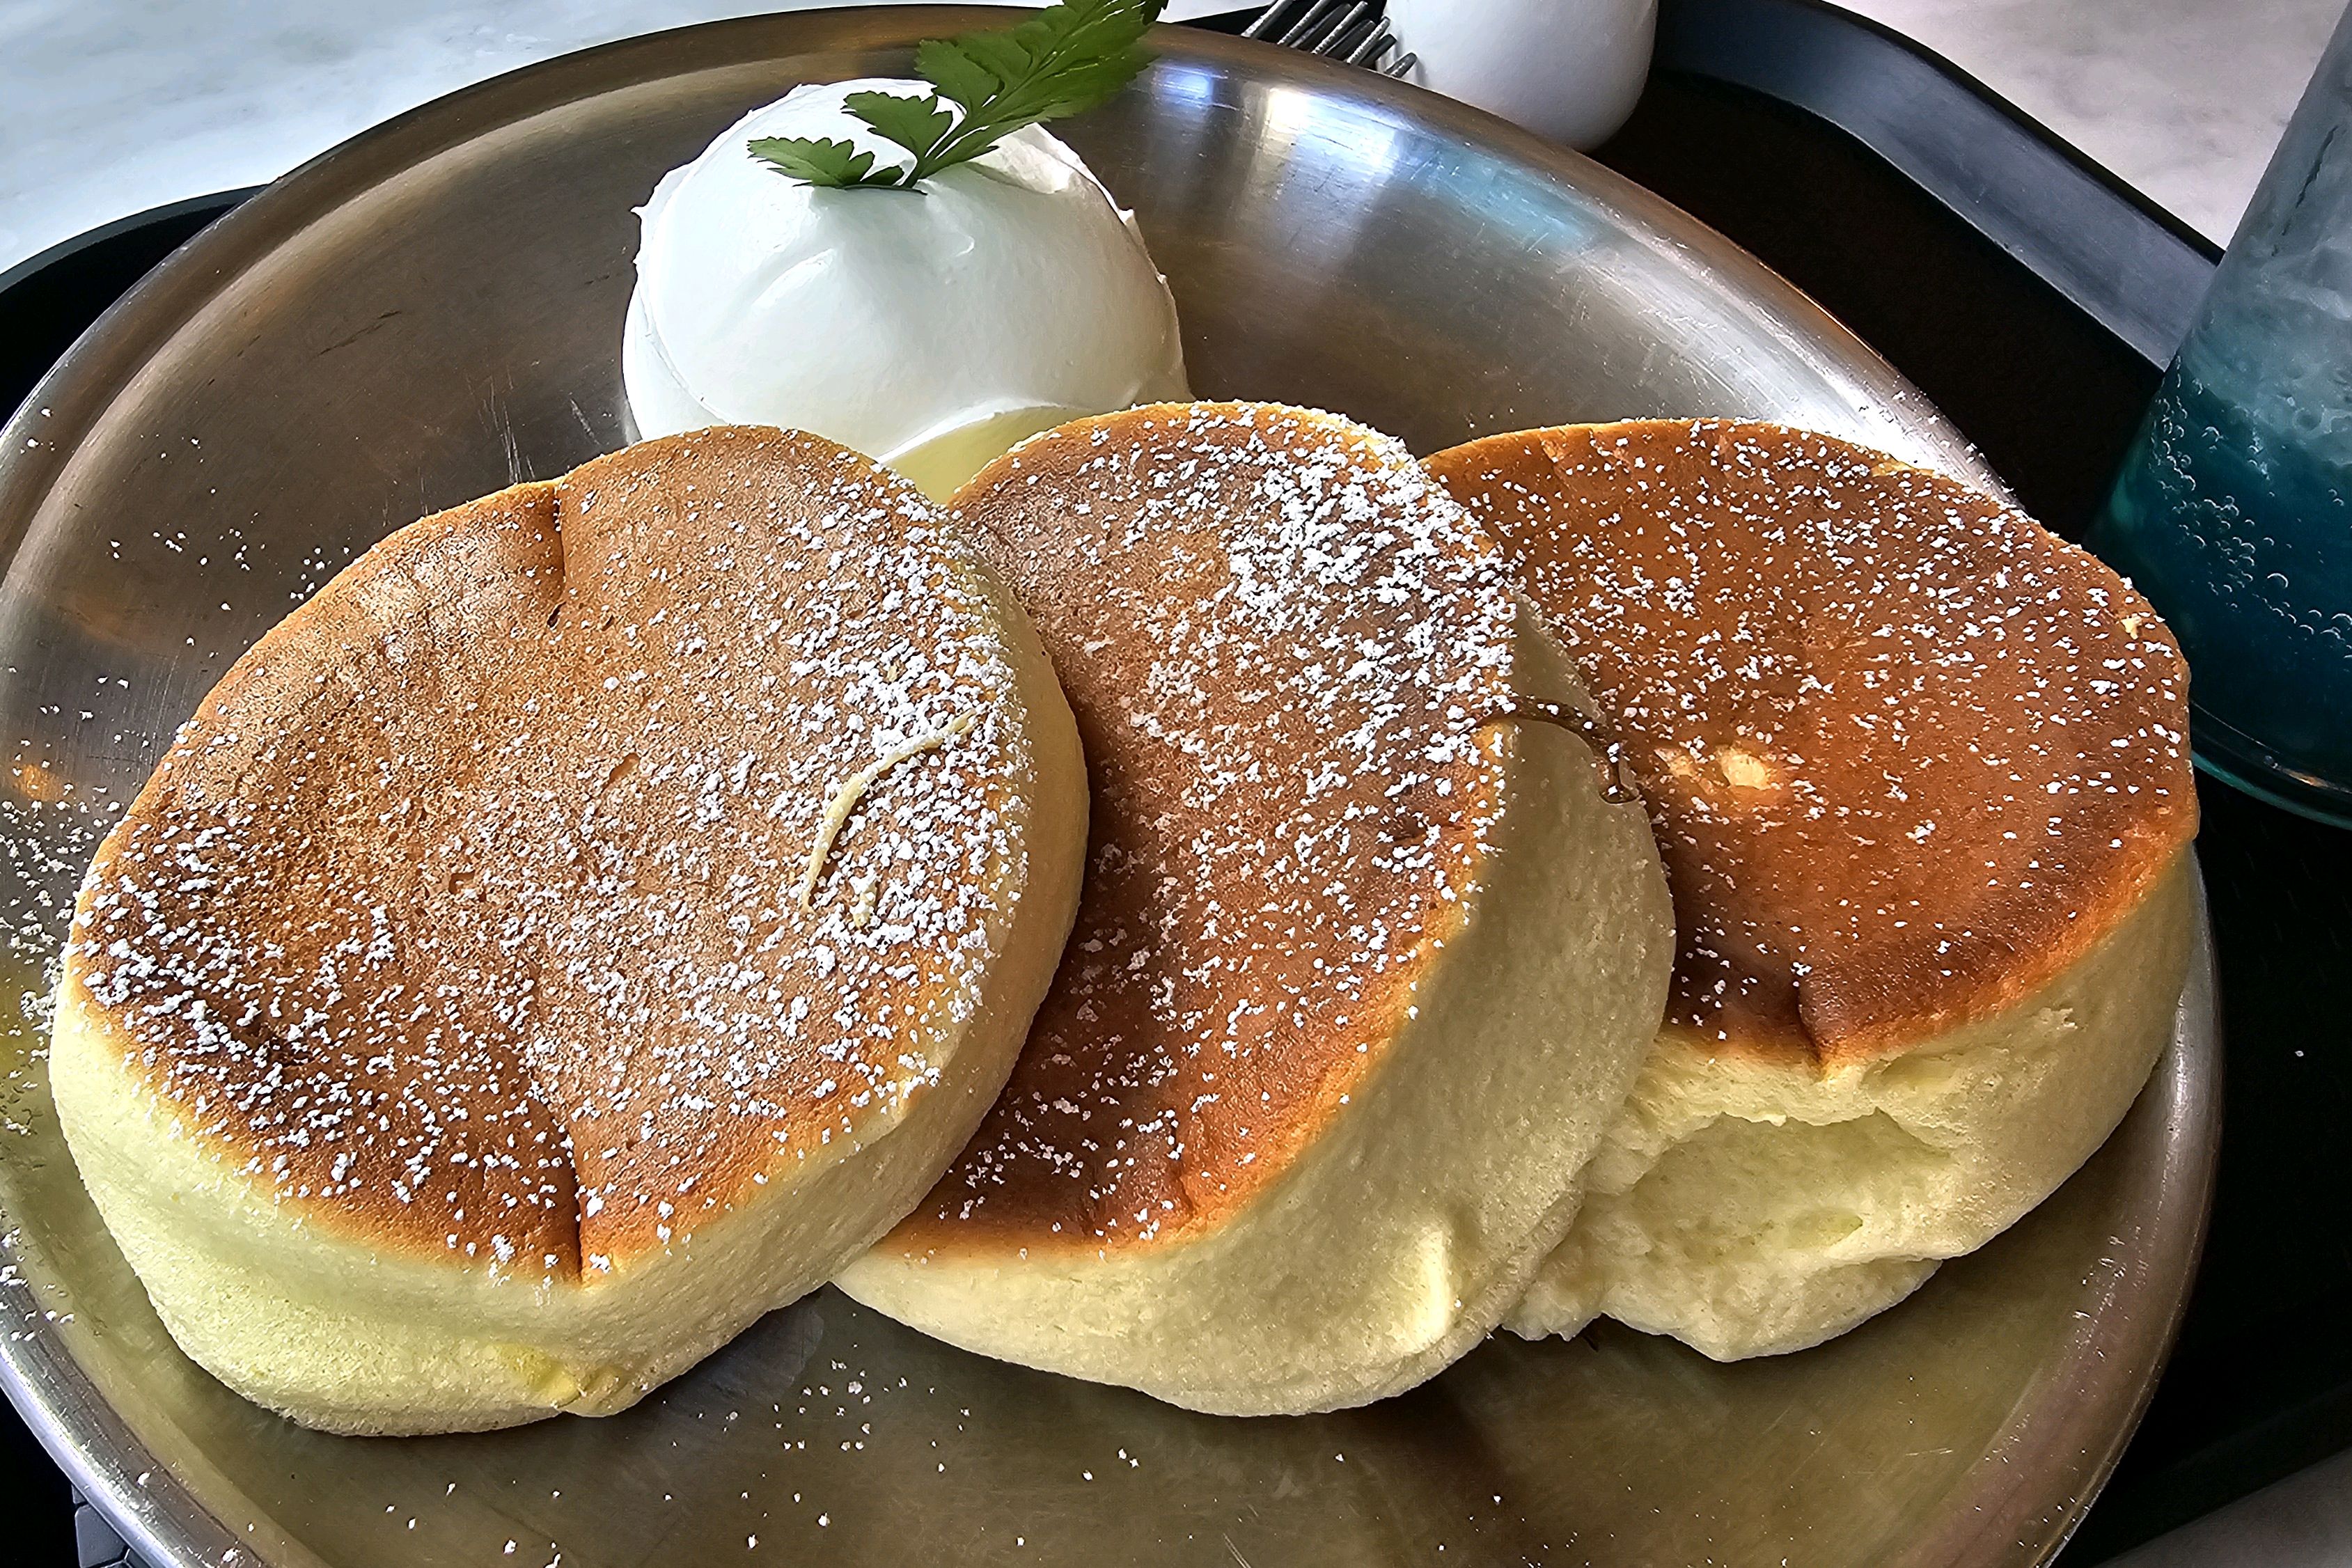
[2122, 260]
[206, 207]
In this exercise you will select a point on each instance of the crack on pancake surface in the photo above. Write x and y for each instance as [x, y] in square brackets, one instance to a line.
[467, 904]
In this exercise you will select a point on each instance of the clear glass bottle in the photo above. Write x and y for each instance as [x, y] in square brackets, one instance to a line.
[2233, 513]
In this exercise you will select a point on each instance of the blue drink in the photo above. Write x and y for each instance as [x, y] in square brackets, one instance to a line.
[2240, 531]
[2234, 513]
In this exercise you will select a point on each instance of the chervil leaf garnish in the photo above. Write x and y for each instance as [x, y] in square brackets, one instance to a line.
[917, 124]
[816, 163]
[1064, 60]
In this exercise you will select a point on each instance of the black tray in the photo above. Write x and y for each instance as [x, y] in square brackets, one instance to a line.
[2034, 298]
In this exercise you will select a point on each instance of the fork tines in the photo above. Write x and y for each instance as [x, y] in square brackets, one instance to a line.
[1354, 31]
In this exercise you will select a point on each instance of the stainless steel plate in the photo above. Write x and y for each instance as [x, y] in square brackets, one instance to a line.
[433, 310]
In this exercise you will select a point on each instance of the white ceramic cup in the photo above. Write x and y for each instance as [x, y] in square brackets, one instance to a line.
[1567, 69]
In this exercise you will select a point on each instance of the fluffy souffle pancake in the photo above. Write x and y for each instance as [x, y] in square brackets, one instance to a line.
[1369, 952]
[1918, 769]
[592, 918]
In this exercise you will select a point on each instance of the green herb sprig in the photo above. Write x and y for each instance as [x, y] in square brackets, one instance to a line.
[1064, 60]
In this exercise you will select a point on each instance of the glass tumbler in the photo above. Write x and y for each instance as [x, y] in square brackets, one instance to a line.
[2234, 511]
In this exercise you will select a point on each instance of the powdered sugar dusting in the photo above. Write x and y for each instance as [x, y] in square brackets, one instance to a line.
[1906, 751]
[1283, 646]
[468, 905]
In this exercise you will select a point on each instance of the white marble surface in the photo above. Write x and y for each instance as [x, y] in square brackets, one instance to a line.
[109, 107]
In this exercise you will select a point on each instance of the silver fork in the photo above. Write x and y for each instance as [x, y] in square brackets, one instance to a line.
[1354, 31]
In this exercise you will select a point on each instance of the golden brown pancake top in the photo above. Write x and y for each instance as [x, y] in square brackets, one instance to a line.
[469, 907]
[1279, 640]
[1907, 753]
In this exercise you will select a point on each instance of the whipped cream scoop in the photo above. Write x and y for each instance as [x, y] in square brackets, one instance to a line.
[930, 328]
